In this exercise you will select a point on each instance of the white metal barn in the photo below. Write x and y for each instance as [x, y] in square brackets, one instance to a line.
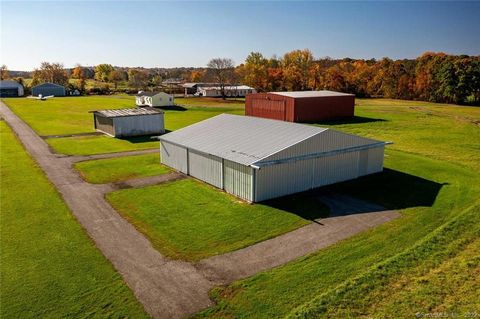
[258, 159]
[129, 122]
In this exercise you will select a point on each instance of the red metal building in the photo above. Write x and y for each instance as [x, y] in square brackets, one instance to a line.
[300, 106]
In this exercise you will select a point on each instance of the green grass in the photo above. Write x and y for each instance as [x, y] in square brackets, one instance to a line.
[65, 115]
[88, 145]
[122, 168]
[190, 220]
[424, 262]
[70, 115]
[50, 268]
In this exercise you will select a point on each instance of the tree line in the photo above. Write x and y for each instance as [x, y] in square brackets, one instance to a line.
[435, 77]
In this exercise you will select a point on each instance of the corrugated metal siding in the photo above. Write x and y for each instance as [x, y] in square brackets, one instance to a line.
[375, 160]
[326, 141]
[47, 90]
[174, 156]
[139, 125]
[238, 180]
[206, 167]
[283, 179]
[337, 168]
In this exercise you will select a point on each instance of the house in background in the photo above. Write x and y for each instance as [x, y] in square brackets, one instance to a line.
[47, 89]
[258, 159]
[300, 106]
[193, 87]
[230, 91]
[10, 88]
[151, 99]
[129, 122]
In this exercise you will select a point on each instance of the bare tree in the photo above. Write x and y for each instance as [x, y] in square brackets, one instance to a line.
[4, 74]
[222, 71]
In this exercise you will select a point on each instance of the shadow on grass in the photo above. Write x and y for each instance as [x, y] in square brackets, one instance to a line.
[143, 139]
[348, 120]
[173, 108]
[389, 190]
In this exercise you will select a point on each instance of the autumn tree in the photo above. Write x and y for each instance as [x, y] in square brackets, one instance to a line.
[50, 72]
[221, 71]
[102, 72]
[4, 74]
[117, 76]
[138, 79]
[79, 73]
[296, 66]
[254, 72]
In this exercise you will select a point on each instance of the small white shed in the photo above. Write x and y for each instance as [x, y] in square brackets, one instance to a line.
[258, 159]
[151, 99]
[129, 122]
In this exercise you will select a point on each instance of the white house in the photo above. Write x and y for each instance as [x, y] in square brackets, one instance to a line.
[230, 91]
[154, 99]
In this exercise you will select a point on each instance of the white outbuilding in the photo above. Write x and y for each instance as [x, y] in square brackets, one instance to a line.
[160, 99]
[258, 159]
[129, 122]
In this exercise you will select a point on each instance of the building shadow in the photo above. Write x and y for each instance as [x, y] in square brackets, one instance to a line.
[388, 190]
[173, 108]
[143, 139]
[348, 120]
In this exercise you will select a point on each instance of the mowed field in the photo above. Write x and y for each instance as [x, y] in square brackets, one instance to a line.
[71, 115]
[50, 268]
[427, 261]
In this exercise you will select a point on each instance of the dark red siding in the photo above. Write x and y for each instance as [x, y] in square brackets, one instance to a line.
[290, 109]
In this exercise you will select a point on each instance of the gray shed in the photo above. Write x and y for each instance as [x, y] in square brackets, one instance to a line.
[10, 88]
[258, 159]
[47, 89]
[129, 122]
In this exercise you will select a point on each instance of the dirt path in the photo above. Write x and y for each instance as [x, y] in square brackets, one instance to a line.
[282, 249]
[169, 288]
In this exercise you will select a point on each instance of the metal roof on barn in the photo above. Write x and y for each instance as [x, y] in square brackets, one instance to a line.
[309, 94]
[127, 112]
[245, 139]
[7, 84]
[48, 85]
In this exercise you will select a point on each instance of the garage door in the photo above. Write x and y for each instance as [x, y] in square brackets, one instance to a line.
[205, 167]
[269, 109]
[4, 92]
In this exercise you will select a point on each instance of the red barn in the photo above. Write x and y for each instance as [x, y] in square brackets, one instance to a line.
[300, 106]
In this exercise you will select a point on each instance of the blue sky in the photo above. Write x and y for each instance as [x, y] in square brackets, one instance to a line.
[168, 34]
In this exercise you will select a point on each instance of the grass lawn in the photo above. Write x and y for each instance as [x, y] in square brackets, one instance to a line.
[426, 261]
[190, 220]
[65, 115]
[70, 115]
[50, 268]
[88, 145]
[122, 168]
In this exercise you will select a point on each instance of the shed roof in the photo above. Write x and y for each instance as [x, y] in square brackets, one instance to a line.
[307, 94]
[48, 84]
[244, 139]
[151, 93]
[5, 84]
[127, 112]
